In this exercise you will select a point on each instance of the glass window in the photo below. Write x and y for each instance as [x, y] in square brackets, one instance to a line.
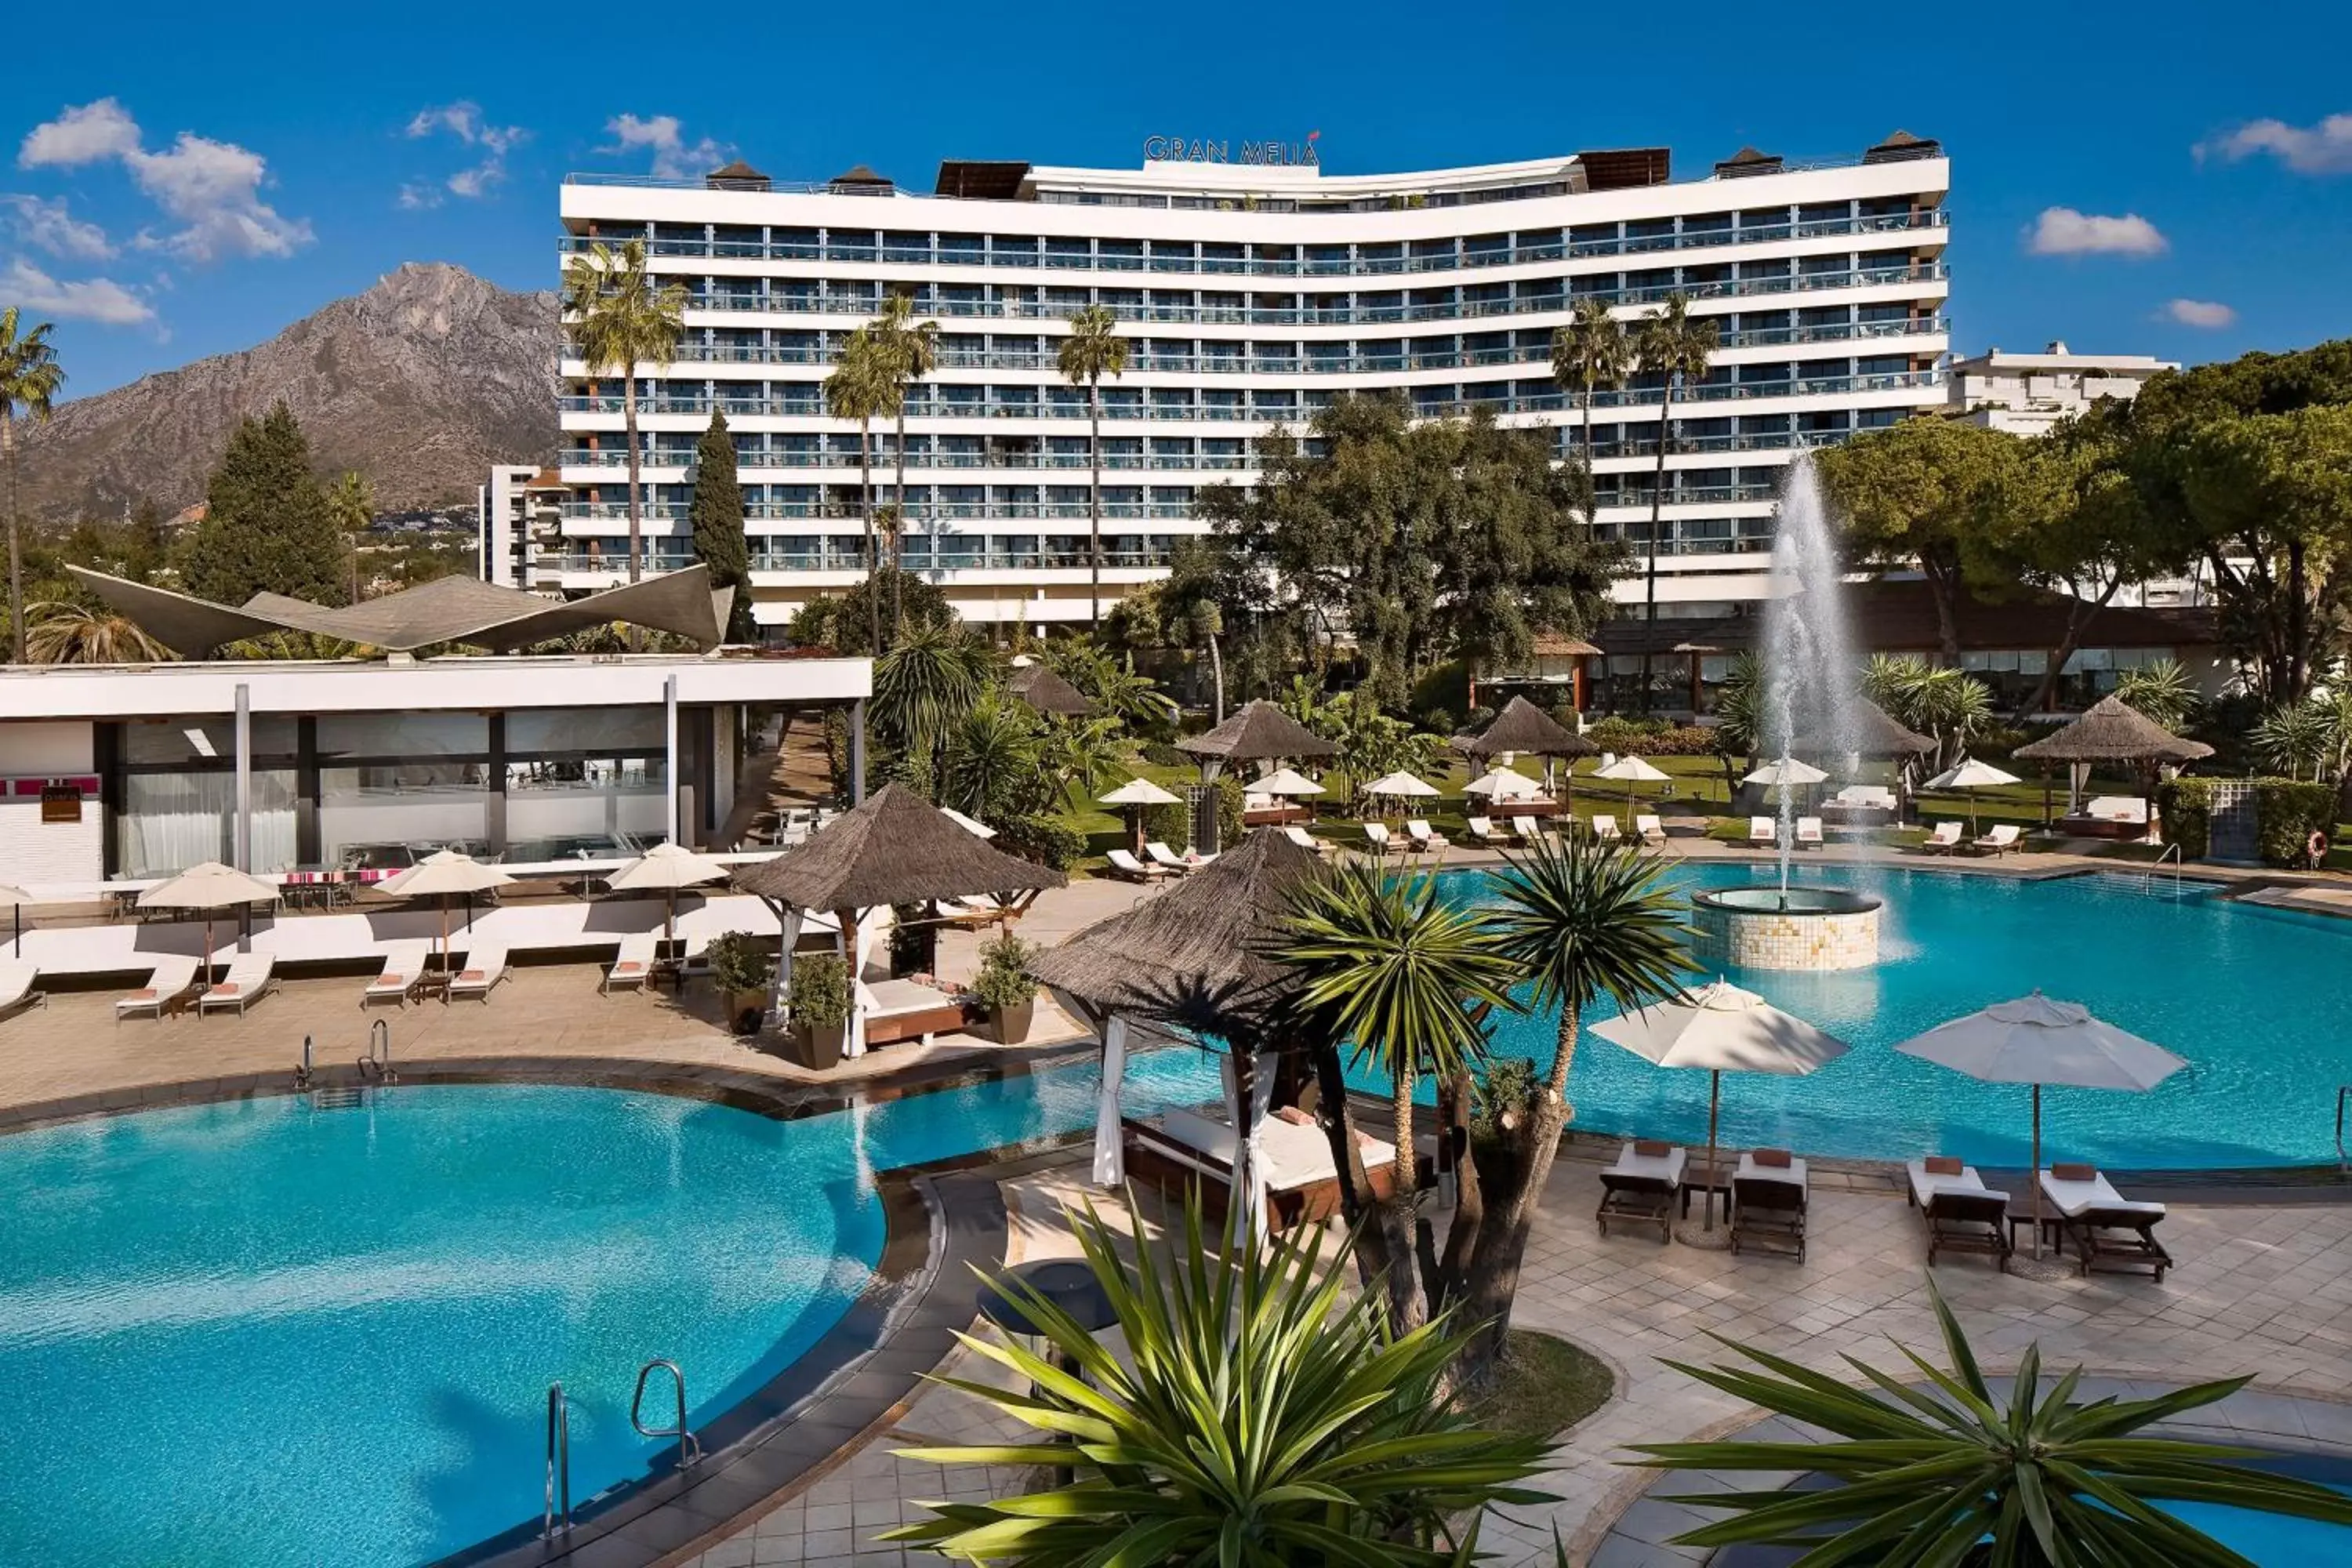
[169, 822]
[535, 730]
[404, 736]
[203, 738]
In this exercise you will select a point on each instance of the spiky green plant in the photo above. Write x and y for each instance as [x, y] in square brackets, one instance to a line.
[1955, 1475]
[1268, 1418]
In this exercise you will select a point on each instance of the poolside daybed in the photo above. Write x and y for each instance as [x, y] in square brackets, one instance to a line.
[1962, 1215]
[900, 1010]
[1180, 1149]
[1643, 1186]
[2121, 816]
[2108, 1230]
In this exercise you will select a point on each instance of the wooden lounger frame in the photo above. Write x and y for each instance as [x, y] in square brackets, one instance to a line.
[1959, 1219]
[2121, 1240]
[1769, 1213]
[1637, 1196]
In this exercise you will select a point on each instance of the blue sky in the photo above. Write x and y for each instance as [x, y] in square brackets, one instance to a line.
[2172, 179]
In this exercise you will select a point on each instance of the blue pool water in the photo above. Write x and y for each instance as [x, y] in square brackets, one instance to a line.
[2269, 1539]
[257, 1334]
[2259, 1001]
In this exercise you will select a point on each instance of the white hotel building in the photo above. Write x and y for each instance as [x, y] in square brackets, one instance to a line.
[1250, 293]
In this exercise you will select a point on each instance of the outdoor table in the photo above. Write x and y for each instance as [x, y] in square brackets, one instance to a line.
[1068, 1282]
[1703, 1179]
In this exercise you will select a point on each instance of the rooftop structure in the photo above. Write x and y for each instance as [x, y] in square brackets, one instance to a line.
[2029, 393]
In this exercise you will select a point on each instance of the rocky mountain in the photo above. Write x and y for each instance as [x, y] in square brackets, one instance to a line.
[421, 384]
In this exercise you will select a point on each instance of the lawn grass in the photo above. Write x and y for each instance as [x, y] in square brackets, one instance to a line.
[1544, 1386]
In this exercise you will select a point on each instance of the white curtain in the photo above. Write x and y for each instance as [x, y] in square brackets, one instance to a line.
[1249, 1123]
[1110, 1158]
[173, 821]
[857, 948]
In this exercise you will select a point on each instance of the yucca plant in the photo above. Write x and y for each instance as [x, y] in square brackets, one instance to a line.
[1269, 1418]
[1954, 1475]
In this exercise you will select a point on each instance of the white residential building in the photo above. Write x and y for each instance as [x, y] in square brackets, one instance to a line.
[520, 506]
[1250, 293]
[2029, 394]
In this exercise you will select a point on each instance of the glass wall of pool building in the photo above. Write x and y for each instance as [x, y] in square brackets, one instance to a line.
[1250, 295]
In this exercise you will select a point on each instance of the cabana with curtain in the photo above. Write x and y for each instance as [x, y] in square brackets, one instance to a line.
[1524, 729]
[2110, 732]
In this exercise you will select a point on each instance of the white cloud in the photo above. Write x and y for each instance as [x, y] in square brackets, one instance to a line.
[2208, 313]
[463, 121]
[2324, 148]
[675, 158]
[213, 189]
[50, 227]
[2063, 231]
[99, 300]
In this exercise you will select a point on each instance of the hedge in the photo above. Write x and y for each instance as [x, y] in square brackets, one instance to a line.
[2185, 816]
[1652, 738]
[1171, 824]
[1047, 840]
[2285, 813]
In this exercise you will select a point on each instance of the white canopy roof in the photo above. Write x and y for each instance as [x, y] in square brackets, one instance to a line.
[444, 871]
[969, 824]
[1503, 783]
[1286, 782]
[1401, 783]
[1971, 775]
[665, 866]
[1632, 770]
[1787, 770]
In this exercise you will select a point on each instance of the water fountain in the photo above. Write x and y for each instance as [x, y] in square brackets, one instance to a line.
[1810, 690]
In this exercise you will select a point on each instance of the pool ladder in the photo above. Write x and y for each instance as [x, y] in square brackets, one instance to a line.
[559, 1465]
[2342, 1097]
[2171, 853]
[688, 1450]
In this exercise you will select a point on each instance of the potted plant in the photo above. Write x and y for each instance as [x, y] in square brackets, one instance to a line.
[1006, 988]
[819, 1002]
[742, 970]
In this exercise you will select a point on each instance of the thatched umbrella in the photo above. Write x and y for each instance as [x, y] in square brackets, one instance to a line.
[1260, 732]
[1047, 692]
[2112, 731]
[897, 848]
[1876, 734]
[1197, 958]
[1522, 727]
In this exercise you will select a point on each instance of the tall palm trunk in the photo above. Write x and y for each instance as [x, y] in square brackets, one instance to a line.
[636, 515]
[899, 535]
[1217, 671]
[1094, 506]
[873, 553]
[1657, 505]
[1406, 1311]
[15, 556]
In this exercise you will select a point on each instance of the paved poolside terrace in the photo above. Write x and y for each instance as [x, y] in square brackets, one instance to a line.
[2261, 1287]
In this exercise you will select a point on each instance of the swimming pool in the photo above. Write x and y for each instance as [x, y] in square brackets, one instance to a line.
[2258, 1000]
[257, 1333]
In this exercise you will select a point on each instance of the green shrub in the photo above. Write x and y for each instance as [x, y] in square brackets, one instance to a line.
[740, 961]
[819, 998]
[2185, 809]
[1162, 755]
[1229, 811]
[1171, 824]
[2286, 812]
[1650, 737]
[1996, 743]
[1005, 980]
[1047, 840]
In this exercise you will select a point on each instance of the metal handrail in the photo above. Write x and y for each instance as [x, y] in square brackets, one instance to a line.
[688, 1450]
[303, 1073]
[378, 1059]
[2172, 853]
[559, 1464]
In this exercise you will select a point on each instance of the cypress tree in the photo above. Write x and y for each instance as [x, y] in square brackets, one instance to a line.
[266, 526]
[717, 513]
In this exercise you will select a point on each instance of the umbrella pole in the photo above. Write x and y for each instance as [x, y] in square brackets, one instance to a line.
[2036, 1177]
[1714, 1101]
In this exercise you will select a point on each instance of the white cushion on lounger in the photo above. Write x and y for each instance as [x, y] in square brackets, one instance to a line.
[1669, 1166]
[2071, 1198]
[1924, 1185]
[1793, 1173]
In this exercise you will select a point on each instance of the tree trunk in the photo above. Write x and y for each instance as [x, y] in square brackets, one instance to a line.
[1094, 506]
[1217, 671]
[2078, 621]
[1943, 589]
[1406, 1312]
[1657, 506]
[1493, 1280]
[15, 556]
[2298, 615]
[636, 515]
[898, 538]
[873, 550]
[1592, 485]
[1347, 1160]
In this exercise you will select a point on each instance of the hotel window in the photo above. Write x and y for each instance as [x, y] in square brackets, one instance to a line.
[1010, 250]
[1062, 252]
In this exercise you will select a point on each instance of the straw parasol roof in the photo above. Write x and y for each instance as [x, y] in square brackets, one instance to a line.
[897, 848]
[1522, 726]
[1876, 734]
[1041, 689]
[1198, 953]
[1259, 733]
[2114, 732]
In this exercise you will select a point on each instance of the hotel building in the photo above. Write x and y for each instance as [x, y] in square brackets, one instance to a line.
[1251, 290]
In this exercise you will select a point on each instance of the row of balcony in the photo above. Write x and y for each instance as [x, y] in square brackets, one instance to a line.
[1130, 306]
[1183, 257]
[1337, 359]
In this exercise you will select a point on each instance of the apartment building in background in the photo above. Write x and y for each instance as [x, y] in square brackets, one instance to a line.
[1253, 287]
[519, 507]
[2029, 394]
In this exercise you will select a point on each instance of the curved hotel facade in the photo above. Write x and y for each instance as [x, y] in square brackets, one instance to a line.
[1251, 292]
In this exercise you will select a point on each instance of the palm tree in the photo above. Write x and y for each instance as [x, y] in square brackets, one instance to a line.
[29, 379]
[1591, 352]
[622, 318]
[924, 685]
[1262, 1416]
[995, 757]
[1094, 349]
[70, 634]
[1672, 345]
[1406, 978]
[2162, 691]
[351, 506]
[911, 349]
[861, 387]
[1963, 1475]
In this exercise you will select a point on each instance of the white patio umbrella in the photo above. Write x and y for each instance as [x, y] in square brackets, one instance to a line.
[969, 824]
[1286, 782]
[2037, 1040]
[445, 874]
[209, 887]
[1401, 785]
[1788, 770]
[16, 899]
[1720, 1028]
[666, 867]
[1504, 783]
[1972, 775]
[1633, 770]
[1132, 797]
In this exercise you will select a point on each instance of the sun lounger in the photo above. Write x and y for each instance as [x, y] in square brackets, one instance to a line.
[1999, 841]
[16, 987]
[1943, 840]
[1482, 830]
[2108, 1230]
[1526, 830]
[246, 981]
[1651, 831]
[1768, 1203]
[1643, 1187]
[1168, 861]
[485, 967]
[1763, 831]
[1962, 1215]
[1125, 865]
[1865, 797]
[1182, 1149]
[404, 966]
[898, 1010]
[1809, 833]
[633, 965]
[173, 978]
[1604, 828]
[1305, 839]
[1376, 837]
[1423, 836]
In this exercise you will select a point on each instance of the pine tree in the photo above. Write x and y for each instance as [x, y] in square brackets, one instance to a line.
[717, 513]
[267, 528]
